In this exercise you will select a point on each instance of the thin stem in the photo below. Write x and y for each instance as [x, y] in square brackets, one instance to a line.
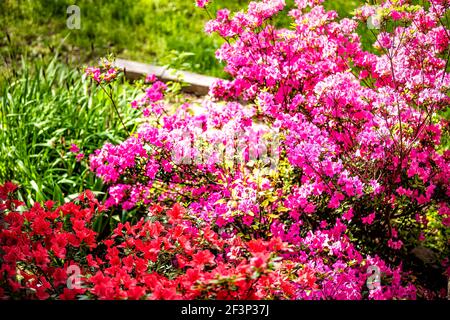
[109, 94]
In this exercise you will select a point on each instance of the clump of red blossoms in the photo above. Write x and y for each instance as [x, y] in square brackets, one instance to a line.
[170, 255]
[329, 176]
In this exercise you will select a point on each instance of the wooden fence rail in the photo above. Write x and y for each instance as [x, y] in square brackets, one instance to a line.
[197, 84]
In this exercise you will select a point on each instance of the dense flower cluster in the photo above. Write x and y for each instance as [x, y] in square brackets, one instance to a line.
[37, 245]
[355, 136]
[361, 128]
[318, 163]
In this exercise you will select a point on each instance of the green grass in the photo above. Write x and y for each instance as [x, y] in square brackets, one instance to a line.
[143, 30]
[42, 111]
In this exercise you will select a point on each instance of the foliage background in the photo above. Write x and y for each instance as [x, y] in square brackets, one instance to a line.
[144, 30]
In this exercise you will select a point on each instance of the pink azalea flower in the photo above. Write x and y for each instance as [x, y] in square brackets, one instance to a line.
[74, 148]
[79, 157]
[202, 3]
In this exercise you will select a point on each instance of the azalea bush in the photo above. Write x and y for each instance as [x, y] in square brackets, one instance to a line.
[45, 109]
[54, 252]
[165, 257]
[313, 173]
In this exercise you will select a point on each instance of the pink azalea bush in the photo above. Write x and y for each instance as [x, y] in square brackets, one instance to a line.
[171, 255]
[317, 163]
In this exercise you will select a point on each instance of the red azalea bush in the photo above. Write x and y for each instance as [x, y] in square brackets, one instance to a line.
[52, 252]
[324, 164]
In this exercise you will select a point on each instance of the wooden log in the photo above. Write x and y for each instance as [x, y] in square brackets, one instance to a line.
[196, 84]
